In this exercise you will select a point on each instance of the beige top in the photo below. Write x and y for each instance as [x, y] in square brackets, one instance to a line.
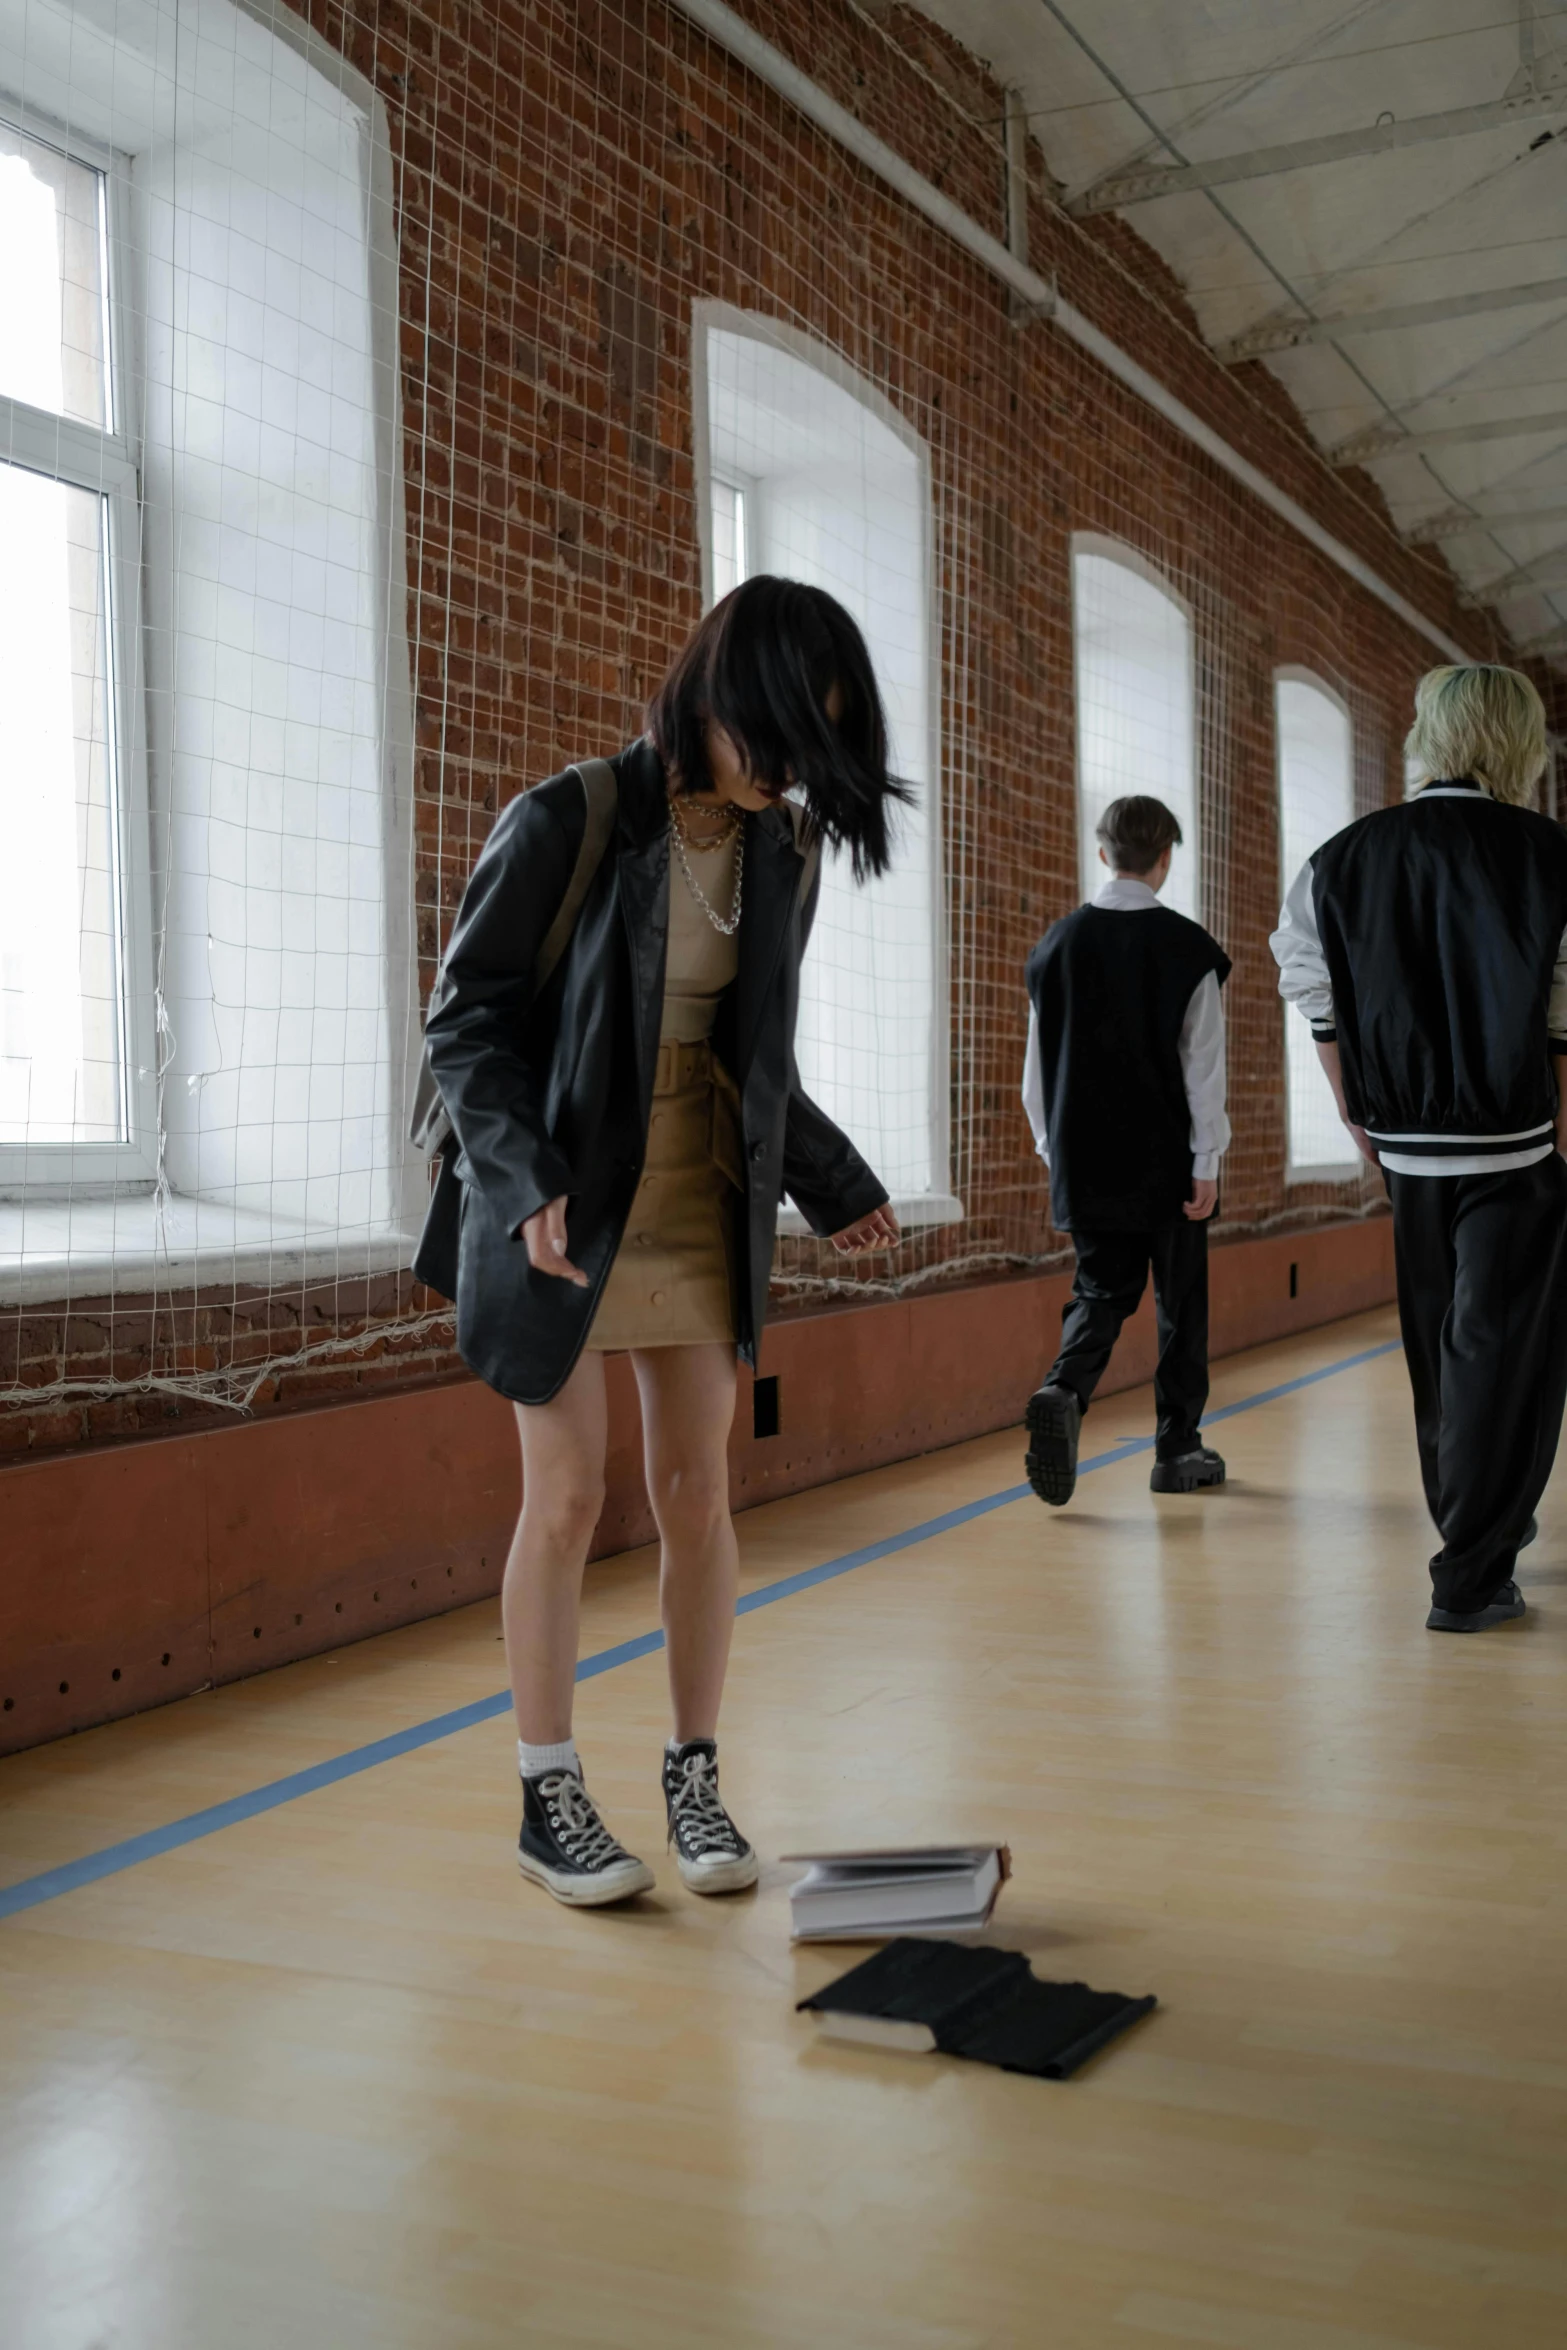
[701, 962]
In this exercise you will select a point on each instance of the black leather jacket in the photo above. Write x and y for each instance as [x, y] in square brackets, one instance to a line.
[556, 1098]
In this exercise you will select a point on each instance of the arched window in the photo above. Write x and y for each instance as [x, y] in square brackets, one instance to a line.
[1133, 647]
[1316, 799]
[811, 474]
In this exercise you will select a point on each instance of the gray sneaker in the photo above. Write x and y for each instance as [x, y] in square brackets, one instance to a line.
[1503, 1609]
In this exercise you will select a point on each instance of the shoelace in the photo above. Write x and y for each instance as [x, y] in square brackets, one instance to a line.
[696, 1811]
[583, 1833]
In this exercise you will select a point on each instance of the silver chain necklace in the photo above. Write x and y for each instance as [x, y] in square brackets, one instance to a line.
[727, 928]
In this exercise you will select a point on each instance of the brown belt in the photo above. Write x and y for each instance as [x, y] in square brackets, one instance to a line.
[679, 1066]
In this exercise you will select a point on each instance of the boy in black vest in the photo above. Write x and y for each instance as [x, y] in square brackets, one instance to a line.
[1124, 1089]
[1427, 946]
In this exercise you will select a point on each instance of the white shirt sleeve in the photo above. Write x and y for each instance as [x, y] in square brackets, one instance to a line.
[1303, 967]
[1202, 1070]
[1557, 1019]
[1034, 1088]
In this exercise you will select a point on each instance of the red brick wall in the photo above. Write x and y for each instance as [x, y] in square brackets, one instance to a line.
[569, 180]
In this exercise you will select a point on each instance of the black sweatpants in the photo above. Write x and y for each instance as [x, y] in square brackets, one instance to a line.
[1112, 1269]
[1482, 1297]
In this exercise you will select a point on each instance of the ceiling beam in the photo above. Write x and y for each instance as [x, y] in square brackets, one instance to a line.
[1286, 334]
[1144, 183]
[1233, 94]
[1455, 523]
[1392, 440]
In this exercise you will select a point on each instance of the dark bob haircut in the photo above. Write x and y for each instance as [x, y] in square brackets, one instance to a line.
[1134, 833]
[763, 663]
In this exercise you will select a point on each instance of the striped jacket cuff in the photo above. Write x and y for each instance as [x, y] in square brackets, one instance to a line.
[1461, 1146]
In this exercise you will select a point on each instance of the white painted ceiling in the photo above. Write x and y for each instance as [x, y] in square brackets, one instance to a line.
[1110, 83]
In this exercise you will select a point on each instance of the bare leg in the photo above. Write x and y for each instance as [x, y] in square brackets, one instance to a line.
[688, 1403]
[541, 1598]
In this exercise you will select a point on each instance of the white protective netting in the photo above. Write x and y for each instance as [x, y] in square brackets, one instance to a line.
[376, 413]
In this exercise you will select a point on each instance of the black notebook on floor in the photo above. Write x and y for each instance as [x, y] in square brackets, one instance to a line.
[985, 2004]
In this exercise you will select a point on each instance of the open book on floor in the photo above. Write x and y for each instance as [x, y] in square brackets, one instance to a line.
[862, 1896]
[985, 2004]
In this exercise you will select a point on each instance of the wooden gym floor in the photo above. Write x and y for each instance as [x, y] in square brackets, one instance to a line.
[333, 2077]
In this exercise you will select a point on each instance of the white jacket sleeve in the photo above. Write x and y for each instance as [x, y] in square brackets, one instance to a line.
[1202, 1071]
[1034, 1088]
[1303, 967]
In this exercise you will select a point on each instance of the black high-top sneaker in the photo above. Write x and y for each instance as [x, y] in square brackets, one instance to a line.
[1188, 1472]
[566, 1848]
[710, 1852]
[1054, 1417]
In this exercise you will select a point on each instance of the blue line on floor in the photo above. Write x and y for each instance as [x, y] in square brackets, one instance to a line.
[33, 1891]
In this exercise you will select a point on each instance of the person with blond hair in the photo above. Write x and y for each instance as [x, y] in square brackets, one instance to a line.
[1427, 946]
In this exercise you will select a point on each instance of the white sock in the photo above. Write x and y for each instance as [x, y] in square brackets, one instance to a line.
[533, 1761]
[673, 1745]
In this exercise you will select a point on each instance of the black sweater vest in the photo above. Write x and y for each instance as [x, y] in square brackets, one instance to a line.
[1111, 991]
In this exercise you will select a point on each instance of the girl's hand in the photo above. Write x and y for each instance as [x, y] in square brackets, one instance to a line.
[545, 1237]
[878, 1230]
[1204, 1199]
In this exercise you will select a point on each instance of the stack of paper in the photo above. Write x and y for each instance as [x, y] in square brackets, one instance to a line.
[865, 1896]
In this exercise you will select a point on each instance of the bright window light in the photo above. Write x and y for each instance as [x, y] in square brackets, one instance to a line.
[1133, 643]
[1316, 800]
[53, 281]
[62, 980]
[729, 554]
[60, 1051]
[836, 492]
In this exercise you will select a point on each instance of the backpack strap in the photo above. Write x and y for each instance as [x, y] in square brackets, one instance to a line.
[602, 794]
[430, 1126]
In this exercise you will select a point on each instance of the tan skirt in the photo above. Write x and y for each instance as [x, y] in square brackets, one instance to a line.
[672, 1282]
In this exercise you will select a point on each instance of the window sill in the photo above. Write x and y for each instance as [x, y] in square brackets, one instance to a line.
[1342, 1171]
[56, 1250]
[925, 1207]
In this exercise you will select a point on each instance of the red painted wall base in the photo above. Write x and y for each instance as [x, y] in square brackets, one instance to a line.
[142, 1572]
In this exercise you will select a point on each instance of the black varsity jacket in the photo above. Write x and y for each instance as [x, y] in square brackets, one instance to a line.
[1430, 940]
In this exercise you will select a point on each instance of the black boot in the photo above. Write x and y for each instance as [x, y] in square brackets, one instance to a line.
[1054, 1418]
[1188, 1472]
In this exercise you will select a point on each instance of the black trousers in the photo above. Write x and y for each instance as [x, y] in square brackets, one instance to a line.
[1112, 1270]
[1482, 1297]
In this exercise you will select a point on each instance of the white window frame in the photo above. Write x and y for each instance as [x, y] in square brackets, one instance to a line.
[747, 491]
[107, 463]
[1349, 1168]
[939, 1205]
[1130, 558]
